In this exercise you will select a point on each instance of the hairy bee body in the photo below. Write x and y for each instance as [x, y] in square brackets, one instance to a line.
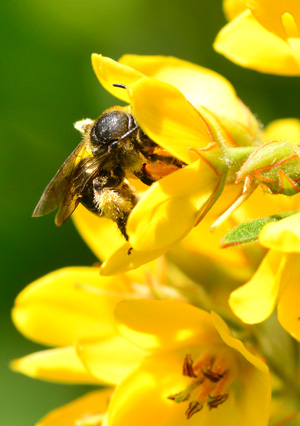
[95, 173]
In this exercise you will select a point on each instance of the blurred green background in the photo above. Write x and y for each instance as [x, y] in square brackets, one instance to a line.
[47, 84]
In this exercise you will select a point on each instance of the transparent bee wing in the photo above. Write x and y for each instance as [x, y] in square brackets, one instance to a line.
[61, 183]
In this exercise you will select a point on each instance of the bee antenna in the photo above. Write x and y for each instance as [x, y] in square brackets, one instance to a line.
[128, 132]
[121, 86]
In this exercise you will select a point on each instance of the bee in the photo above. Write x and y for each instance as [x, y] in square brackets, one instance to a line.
[95, 173]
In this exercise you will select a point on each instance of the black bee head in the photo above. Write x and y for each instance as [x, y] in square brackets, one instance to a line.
[109, 128]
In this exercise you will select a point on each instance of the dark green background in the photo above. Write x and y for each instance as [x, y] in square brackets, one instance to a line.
[47, 84]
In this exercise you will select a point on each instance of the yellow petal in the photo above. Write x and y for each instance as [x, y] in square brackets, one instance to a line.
[171, 207]
[110, 360]
[288, 306]
[92, 404]
[287, 129]
[110, 72]
[64, 305]
[283, 235]
[168, 118]
[55, 365]
[160, 376]
[255, 301]
[261, 204]
[201, 86]
[237, 344]
[153, 324]
[205, 242]
[247, 43]
[100, 234]
[143, 398]
[202, 241]
[270, 14]
[253, 378]
[233, 8]
[126, 258]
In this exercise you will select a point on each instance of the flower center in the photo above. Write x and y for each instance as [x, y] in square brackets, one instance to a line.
[211, 378]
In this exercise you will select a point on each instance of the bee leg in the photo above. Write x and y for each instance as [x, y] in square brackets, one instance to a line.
[144, 176]
[166, 159]
[121, 223]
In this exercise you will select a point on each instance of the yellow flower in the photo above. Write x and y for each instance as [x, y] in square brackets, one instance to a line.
[191, 112]
[275, 283]
[192, 368]
[75, 303]
[264, 35]
[233, 8]
[72, 303]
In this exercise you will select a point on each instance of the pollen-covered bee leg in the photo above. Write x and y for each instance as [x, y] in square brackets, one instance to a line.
[166, 159]
[144, 176]
[113, 202]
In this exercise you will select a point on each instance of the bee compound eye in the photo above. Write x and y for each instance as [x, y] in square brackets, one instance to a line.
[110, 127]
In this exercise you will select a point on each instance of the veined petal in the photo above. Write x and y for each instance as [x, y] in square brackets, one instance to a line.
[110, 360]
[110, 72]
[168, 118]
[247, 43]
[153, 324]
[285, 129]
[62, 306]
[172, 206]
[92, 404]
[270, 14]
[288, 305]
[255, 301]
[283, 235]
[100, 234]
[55, 365]
[201, 86]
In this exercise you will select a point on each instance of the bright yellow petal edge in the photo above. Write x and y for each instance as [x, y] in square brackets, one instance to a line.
[90, 408]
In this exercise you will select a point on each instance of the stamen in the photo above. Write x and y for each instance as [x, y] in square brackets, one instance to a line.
[188, 366]
[186, 393]
[194, 407]
[210, 375]
[211, 378]
[214, 401]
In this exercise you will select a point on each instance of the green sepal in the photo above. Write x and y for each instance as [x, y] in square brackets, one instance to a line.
[248, 232]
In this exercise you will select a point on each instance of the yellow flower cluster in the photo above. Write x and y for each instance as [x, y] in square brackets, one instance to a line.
[151, 329]
[263, 35]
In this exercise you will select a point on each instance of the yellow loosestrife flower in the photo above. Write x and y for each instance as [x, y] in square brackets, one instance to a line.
[185, 109]
[275, 283]
[264, 36]
[192, 368]
[74, 303]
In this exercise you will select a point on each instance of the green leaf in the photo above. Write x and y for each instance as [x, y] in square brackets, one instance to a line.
[248, 232]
